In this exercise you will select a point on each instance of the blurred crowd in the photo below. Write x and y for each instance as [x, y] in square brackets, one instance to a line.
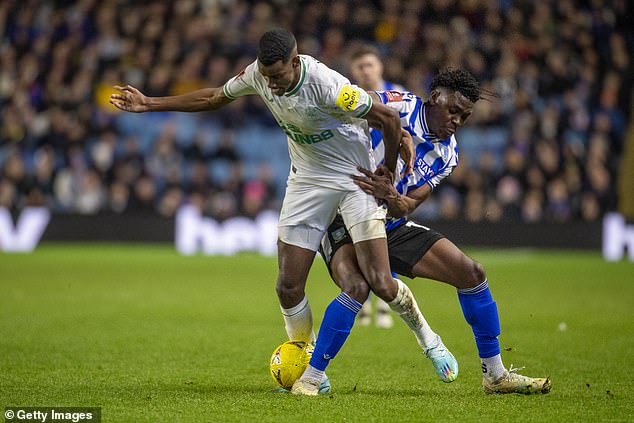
[544, 147]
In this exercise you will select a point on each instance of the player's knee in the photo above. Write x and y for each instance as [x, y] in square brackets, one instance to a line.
[384, 286]
[289, 291]
[476, 274]
[351, 281]
[358, 291]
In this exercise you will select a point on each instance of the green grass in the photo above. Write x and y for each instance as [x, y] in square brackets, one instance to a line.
[151, 336]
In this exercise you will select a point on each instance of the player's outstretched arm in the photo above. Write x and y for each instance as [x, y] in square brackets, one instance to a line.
[398, 205]
[130, 99]
[388, 122]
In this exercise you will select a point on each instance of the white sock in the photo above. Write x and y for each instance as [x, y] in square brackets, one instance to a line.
[313, 374]
[299, 322]
[405, 306]
[492, 367]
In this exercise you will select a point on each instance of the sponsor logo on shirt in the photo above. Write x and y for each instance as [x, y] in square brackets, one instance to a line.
[296, 134]
[348, 98]
[423, 169]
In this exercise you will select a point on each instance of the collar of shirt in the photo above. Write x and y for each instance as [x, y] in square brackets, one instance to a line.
[427, 134]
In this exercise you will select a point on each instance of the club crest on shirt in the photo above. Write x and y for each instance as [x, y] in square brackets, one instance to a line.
[444, 153]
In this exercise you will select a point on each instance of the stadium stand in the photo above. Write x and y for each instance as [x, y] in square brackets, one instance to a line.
[546, 149]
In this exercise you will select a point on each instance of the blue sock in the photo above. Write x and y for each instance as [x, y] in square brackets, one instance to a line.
[481, 312]
[335, 328]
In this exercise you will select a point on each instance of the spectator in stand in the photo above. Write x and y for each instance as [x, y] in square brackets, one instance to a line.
[562, 71]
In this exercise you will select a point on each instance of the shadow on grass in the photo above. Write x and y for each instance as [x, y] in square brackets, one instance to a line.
[224, 389]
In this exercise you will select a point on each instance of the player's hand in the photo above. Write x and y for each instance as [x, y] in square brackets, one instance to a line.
[130, 99]
[407, 151]
[376, 184]
[382, 170]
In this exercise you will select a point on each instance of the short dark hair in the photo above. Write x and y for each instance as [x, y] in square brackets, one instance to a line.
[457, 80]
[276, 44]
[363, 50]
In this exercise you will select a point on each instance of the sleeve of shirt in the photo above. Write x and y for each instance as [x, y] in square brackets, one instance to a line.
[242, 84]
[433, 182]
[397, 100]
[392, 96]
[351, 100]
[382, 96]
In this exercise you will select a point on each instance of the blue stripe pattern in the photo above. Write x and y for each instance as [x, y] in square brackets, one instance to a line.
[476, 289]
[348, 302]
[435, 159]
[376, 136]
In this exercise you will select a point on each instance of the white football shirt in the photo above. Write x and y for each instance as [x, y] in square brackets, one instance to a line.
[322, 117]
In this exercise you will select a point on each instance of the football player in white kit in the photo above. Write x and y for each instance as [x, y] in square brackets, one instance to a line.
[418, 251]
[326, 119]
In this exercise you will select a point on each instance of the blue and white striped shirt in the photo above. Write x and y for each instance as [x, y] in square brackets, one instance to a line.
[377, 137]
[435, 159]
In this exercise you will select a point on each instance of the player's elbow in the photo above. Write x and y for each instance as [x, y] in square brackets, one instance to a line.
[213, 102]
[386, 119]
[216, 99]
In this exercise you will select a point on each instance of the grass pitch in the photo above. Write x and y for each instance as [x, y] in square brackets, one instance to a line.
[151, 336]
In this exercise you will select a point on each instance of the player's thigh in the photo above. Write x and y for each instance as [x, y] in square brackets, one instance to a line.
[348, 275]
[374, 264]
[338, 253]
[407, 244]
[307, 210]
[360, 211]
[445, 262]
[294, 262]
[365, 222]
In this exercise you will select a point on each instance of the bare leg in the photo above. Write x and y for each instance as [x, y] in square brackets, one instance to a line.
[294, 264]
[347, 275]
[446, 263]
[374, 264]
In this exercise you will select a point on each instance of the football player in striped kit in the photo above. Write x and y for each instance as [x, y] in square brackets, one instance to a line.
[418, 251]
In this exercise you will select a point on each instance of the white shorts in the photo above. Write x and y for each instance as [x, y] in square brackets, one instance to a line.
[308, 210]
